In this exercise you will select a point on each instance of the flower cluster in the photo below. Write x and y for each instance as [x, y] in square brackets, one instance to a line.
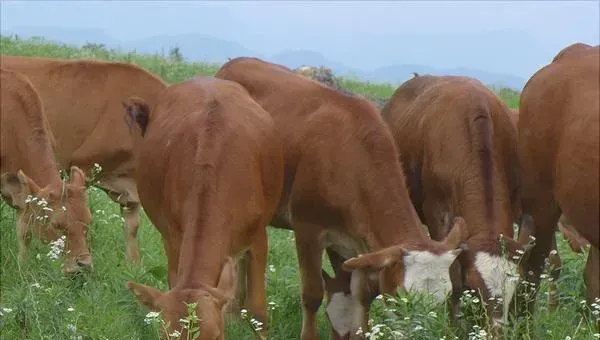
[56, 247]
[40, 203]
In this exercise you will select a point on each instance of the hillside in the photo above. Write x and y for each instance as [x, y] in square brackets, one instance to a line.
[173, 68]
[202, 47]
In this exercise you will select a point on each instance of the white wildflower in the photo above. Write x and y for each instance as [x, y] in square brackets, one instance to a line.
[175, 334]
[5, 311]
[56, 247]
[150, 317]
[71, 309]
[257, 325]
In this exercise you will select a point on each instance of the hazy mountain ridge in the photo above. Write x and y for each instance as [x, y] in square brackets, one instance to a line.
[202, 47]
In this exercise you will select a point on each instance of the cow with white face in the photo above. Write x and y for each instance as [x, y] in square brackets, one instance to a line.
[457, 143]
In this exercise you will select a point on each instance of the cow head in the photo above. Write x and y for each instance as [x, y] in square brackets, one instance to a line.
[415, 267]
[492, 266]
[63, 212]
[210, 304]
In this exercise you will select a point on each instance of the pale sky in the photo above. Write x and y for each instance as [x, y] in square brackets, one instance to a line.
[360, 34]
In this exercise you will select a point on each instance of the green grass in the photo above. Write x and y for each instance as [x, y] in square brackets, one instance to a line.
[47, 305]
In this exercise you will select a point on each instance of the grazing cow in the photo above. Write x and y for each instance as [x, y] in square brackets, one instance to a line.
[30, 181]
[82, 100]
[558, 149]
[210, 175]
[344, 189]
[458, 146]
[574, 240]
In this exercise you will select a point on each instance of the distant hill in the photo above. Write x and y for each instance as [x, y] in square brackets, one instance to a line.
[193, 47]
[200, 47]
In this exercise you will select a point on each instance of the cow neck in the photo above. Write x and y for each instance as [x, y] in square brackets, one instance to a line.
[392, 217]
[37, 160]
[201, 255]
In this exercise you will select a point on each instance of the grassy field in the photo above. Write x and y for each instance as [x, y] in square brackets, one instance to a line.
[38, 302]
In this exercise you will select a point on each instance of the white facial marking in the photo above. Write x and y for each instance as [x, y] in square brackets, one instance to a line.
[428, 273]
[500, 277]
[338, 310]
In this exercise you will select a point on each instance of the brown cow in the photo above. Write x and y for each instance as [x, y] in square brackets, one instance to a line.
[210, 174]
[558, 149]
[30, 180]
[82, 100]
[344, 189]
[575, 241]
[458, 146]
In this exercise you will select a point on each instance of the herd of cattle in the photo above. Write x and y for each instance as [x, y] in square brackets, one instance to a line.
[215, 160]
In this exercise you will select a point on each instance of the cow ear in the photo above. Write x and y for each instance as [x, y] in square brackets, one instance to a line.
[377, 260]
[146, 295]
[15, 188]
[458, 233]
[137, 113]
[77, 177]
[12, 190]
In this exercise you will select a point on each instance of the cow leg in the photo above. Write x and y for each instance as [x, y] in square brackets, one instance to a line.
[545, 214]
[555, 266]
[592, 281]
[360, 305]
[23, 235]
[131, 215]
[122, 189]
[256, 291]
[235, 306]
[309, 252]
